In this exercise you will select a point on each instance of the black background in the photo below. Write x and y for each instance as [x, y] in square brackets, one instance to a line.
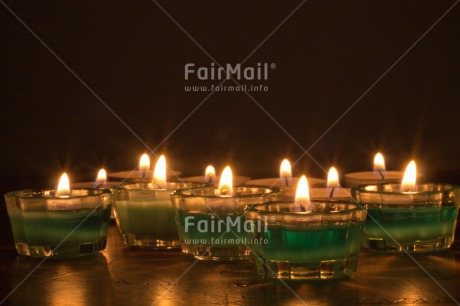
[132, 55]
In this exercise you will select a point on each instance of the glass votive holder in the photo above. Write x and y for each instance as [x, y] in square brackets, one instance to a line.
[213, 227]
[419, 221]
[296, 245]
[144, 215]
[44, 225]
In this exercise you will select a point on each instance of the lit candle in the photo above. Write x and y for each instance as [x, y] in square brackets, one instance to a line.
[210, 221]
[307, 239]
[211, 178]
[143, 175]
[286, 182]
[378, 176]
[144, 213]
[409, 216]
[333, 189]
[61, 222]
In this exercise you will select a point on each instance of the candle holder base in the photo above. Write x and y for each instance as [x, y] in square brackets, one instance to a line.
[66, 251]
[148, 242]
[217, 253]
[417, 246]
[327, 269]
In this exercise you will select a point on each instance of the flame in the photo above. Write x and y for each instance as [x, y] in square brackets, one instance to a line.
[302, 196]
[63, 189]
[226, 182]
[333, 178]
[144, 165]
[285, 169]
[409, 179]
[101, 179]
[379, 162]
[159, 174]
[210, 172]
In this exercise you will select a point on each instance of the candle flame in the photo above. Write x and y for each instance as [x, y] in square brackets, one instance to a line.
[210, 172]
[144, 165]
[63, 189]
[302, 196]
[285, 169]
[159, 174]
[379, 162]
[226, 182]
[333, 178]
[101, 179]
[409, 179]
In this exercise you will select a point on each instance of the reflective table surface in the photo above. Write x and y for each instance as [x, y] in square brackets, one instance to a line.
[125, 276]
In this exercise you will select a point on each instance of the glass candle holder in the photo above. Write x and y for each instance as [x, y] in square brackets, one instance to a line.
[324, 194]
[144, 215]
[47, 226]
[322, 244]
[419, 221]
[213, 227]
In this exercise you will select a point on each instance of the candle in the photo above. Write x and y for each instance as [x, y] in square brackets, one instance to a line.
[332, 190]
[143, 173]
[378, 176]
[211, 178]
[286, 182]
[144, 214]
[409, 216]
[210, 221]
[307, 239]
[61, 222]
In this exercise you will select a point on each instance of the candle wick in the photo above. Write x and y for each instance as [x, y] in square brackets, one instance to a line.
[287, 181]
[381, 174]
[332, 192]
[210, 179]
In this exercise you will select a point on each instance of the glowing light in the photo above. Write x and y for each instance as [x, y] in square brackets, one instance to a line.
[101, 179]
[63, 189]
[226, 182]
[159, 174]
[285, 169]
[210, 172]
[144, 166]
[410, 178]
[333, 178]
[302, 196]
[379, 162]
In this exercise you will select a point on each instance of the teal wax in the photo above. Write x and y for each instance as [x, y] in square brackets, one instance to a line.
[408, 225]
[153, 219]
[49, 228]
[224, 237]
[310, 245]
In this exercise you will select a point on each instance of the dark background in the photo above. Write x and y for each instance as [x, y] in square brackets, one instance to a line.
[133, 55]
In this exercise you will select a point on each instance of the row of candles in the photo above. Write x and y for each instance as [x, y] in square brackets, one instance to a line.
[292, 231]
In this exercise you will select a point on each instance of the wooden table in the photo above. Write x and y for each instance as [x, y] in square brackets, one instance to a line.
[126, 276]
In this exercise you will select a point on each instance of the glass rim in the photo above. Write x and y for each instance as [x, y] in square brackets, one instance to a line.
[355, 207]
[448, 187]
[46, 194]
[265, 191]
[190, 185]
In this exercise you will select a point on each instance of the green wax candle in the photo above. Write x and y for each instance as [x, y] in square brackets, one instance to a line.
[420, 221]
[144, 214]
[43, 225]
[432, 225]
[318, 244]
